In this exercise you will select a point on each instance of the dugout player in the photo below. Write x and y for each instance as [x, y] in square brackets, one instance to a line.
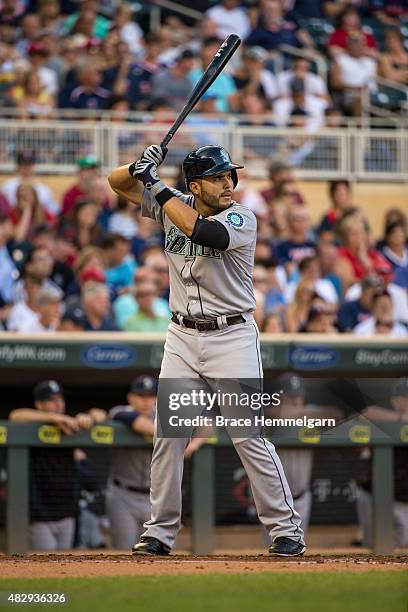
[210, 245]
[54, 476]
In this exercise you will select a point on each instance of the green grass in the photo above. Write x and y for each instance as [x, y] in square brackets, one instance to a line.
[370, 591]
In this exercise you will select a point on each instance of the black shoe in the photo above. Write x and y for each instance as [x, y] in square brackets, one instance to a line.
[286, 547]
[150, 546]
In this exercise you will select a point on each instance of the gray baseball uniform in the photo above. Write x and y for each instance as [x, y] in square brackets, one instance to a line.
[209, 284]
[127, 495]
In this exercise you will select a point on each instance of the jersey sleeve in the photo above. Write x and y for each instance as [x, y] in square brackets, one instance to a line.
[150, 207]
[240, 223]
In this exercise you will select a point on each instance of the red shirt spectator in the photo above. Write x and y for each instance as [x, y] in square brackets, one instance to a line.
[349, 24]
[88, 169]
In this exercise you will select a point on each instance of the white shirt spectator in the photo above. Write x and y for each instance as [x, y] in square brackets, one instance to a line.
[314, 107]
[269, 84]
[314, 84]
[357, 71]
[323, 287]
[44, 193]
[22, 319]
[367, 328]
[49, 80]
[8, 275]
[233, 21]
[399, 297]
[132, 34]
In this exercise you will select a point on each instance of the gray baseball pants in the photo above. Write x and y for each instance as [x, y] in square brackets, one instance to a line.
[52, 535]
[232, 351]
[127, 511]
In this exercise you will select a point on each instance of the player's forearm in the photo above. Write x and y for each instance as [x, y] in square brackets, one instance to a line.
[30, 415]
[182, 215]
[125, 185]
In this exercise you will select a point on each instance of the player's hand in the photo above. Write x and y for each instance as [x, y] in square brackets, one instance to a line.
[85, 421]
[155, 154]
[67, 424]
[146, 172]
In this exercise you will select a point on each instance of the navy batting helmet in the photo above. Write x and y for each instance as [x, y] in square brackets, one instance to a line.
[208, 161]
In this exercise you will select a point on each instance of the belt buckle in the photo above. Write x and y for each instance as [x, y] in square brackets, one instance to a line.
[201, 325]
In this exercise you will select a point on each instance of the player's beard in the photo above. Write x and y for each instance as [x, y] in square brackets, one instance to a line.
[213, 202]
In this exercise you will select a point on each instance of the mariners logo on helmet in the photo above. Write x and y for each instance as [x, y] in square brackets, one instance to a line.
[235, 219]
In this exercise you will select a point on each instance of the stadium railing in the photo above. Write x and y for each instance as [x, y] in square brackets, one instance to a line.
[355, 153]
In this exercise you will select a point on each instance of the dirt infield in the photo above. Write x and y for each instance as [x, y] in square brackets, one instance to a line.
[105, 564]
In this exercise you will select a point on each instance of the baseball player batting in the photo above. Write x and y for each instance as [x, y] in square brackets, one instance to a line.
[210, 245]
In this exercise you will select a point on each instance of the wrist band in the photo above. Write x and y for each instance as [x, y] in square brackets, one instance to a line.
[132, 169]
[164, 196]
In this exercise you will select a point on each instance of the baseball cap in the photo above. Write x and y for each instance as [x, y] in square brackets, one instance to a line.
[37, 48]
[50, 294]
[144, 385]
[297, 85]
[400, 388]
[186, 54]
[25, 157]
[291, 384]
[76, 315]
[46, 389]
[88, 161]
[256, 53]
[92, 273]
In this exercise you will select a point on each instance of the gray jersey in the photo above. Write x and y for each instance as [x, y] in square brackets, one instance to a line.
[131, 466]
[204, 282]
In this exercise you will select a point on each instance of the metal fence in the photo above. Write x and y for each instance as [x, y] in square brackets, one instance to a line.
[358, 154]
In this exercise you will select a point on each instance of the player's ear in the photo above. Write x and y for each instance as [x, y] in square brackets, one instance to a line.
[194, 187]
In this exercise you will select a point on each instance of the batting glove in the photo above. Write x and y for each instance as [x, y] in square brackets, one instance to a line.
[155, 154]
[146, 172]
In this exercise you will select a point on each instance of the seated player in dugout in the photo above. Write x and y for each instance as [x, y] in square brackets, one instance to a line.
[54, 472]
[210, 245]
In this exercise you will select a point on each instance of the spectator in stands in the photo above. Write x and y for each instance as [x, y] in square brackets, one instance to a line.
[45, 237]
[39, 58]
[88, 169]
[47, 305]
[279, 172]
[8, 270]
[297, 102]
[141, 73]
[394, 61]
[157, 261]
[327, 254]
[229, 17]
[223, 88]
[356, 311]
[397, 413]
[38, 264]
[120, 262]
[382, 319]
[24, 312]
[314, 86]
[394, 247]
[389, 13]
[126, 305]
[265, 279]
[273, 29]
[54, 486]
[30, 27]
[309, 269]
[252, 75]
[272, 324]
[49, 14]
[32, 100]
[319, 321]
[297, 311]
[353, 76]
[73, 320]
[123, 219]
[89, 95]
[27, 214]
[145, 320]
[299, 245]
[349, 26]
[87, 21]
[25, 172]
[96, 306]
[83, 229]
[341, 198]
[355, 258]
[175, 79]
[130, 32]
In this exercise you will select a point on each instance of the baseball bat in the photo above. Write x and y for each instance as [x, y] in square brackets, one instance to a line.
[224, 53]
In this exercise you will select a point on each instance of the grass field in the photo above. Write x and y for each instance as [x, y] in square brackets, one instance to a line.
[371, 591]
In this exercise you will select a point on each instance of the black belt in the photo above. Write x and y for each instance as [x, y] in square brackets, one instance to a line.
[205, 324]
[120, 484]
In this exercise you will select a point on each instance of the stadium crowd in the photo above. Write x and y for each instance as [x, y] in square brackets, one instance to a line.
[85, 54]
[92, 262]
